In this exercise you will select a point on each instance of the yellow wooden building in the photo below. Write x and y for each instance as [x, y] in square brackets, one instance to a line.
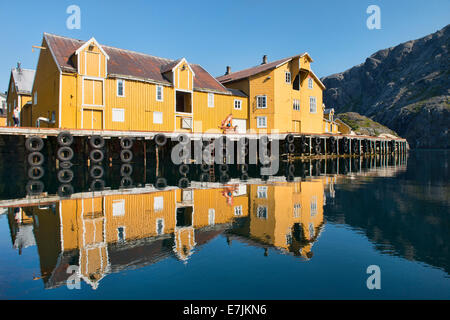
[85, 85]
[284, 95]
[19, 95]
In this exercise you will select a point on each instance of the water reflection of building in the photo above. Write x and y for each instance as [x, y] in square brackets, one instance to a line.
[112, 233]
[287, 216]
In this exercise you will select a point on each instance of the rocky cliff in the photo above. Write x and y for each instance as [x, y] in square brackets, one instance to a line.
[406, 88]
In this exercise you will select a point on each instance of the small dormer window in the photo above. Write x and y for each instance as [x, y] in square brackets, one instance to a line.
[288, 77]
[310, 83]
[91, 47]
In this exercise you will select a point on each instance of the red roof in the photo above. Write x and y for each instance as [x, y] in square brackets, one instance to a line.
[242, 74]
[128, 63]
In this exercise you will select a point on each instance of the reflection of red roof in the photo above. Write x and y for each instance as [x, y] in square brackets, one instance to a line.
[128, 63]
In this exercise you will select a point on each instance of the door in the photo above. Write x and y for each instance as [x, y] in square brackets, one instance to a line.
[92, 119]
[241, 125]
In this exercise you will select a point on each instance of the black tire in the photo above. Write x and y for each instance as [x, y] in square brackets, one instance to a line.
[291, 148]
[126, 169]
[65, 190]
[183, 169]
[160, 139]
[34, 187]
[264, 140]
[65, 154]
[65, 165]
[126, 155]
[204, 177]
[36, 173]
[244, 141]
[126, 182]
[97, 172]
[291, 169]
[183, 139]
[244, 176]
[34, 143]
[97, 185]
[223, 168]
[161, 183]
[183, 183]
[290, 138]
[317, 140]
[290, 178]
[64, 139]
[97, 142]
[126, 143]
[65, 176]
[204, 167]
[96, 155]
[36, 155]
[317, 149]
[224, 178]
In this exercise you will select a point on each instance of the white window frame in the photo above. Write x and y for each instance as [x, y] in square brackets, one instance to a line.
[158, 204]
[258, 215]
[310, 83]
[312, 102]
[160, 88]
[238, 211]
[297, 210]
[114, 112]
[210, 100]
[287, 77]
[157, 114]
[262, 192]
[211, 216]
[313, 206]
[258, 125]
[296, 105]
[122, 81]
[239, 103]
[258, 104]
[118, 207]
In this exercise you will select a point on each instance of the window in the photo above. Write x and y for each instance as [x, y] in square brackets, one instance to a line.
[326, 126]
[237, 104]
[121, 234]
[288, 77]
[160, 226]
[157, 117]
[238, 211]
[313, 206]
[261, 122]
[296, 105]
[211, 216]
[312, 105]
[310, 83]
[289, 239]
[261, 102]
[120, 88]
[159, 93]
[35, 98]
[261, 212]
[158, 204]
[262, 192]
[297, 210]
[118, 207]
[211, 100]
[118, 115]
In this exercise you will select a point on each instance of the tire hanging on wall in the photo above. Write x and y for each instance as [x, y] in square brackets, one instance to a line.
[126, 182]
[34, 143]
[183, 183]
[33, 156]
[126, 169]
[96, 155]
[34, 187]
[160, 183]
[65, 176]
[126, 143]
[160, 139]
[126, 155]
[65, 190]
[183, 169]
[64, 139]
[204, 167]
[97, 185]
[65, 154]
[290, 138]
[36, 173]
[97, 142]
[97, 172]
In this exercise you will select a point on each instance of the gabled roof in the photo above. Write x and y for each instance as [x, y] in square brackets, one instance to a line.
[125, 63]
[242, 74]
[23, 80]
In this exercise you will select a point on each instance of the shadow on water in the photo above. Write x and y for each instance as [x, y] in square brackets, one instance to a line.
[113, 218]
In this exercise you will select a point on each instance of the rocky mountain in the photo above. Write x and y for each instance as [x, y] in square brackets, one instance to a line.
[364, 125]
[406, 88]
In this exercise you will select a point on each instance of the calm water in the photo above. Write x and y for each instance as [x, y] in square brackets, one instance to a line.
[311, 238]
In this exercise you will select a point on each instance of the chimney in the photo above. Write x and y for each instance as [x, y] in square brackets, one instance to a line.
[264, 61]
[228, 70]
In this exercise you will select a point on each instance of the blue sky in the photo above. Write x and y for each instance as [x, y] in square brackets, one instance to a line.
[220, 33]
